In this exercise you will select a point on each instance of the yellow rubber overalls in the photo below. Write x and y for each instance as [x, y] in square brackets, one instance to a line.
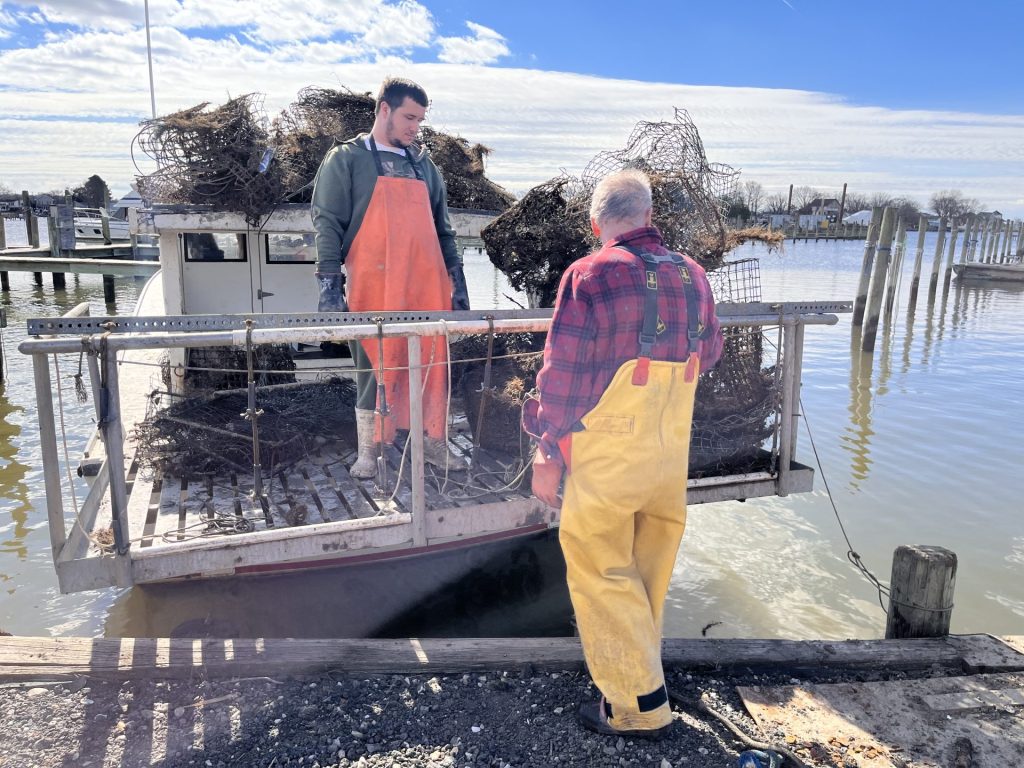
[624, 511]
[395, 263]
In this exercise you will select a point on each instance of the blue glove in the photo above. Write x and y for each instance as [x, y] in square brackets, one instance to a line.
[332, 292]
[460, 292]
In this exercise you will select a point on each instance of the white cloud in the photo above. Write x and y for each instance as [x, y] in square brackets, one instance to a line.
[536, 122]
[485, 47]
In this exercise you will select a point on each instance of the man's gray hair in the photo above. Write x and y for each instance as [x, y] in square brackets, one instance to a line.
[623, 196]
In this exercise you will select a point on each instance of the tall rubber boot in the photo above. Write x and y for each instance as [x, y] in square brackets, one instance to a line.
[366, 464]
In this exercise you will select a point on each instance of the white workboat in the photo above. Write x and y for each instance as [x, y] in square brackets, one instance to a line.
[224, 283]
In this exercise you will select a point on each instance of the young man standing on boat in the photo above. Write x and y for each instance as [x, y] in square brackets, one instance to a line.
[380, 209]
[634, 325]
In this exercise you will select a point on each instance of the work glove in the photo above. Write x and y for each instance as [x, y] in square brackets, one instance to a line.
[332, 292]
[547, 474]
[460, 292]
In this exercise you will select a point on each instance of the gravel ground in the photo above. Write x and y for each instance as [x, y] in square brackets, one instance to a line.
[482, 719]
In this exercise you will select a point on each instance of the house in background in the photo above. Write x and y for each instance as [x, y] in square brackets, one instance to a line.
[820, 212]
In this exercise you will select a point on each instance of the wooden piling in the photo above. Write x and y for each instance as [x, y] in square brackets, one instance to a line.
[1020, 241]
[1006, 243]
[105, 218]
[108, 289]
[31, 225]
[5, 280]
[865, 268]
[922, 231]
[895, 268]
[969, 232]
[921, 592]
[37, 278]
[881, 268]
[842, 207]
[950, 253]
[996, 227]
[980, 255]
[940, 243]
[53, 232]
[789, 202]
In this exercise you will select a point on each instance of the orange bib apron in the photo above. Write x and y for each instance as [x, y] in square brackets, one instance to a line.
[395, 264]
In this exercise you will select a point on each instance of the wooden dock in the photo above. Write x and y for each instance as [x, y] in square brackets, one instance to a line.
[59, 658]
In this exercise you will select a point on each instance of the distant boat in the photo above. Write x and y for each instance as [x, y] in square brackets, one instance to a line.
[89, 225]
[974, 270]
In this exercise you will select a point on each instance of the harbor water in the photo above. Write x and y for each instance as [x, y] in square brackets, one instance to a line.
[918, 443]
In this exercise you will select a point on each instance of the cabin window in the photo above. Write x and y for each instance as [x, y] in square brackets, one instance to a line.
[214, 246]
[290, 248]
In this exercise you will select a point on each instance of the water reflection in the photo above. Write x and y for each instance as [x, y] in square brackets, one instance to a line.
[12, 479]
[857, 439]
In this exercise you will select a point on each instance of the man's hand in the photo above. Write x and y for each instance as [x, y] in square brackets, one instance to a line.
[547, 474]
[332, 292]
[460, 292]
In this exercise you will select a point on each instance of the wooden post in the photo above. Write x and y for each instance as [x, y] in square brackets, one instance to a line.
[789, 203]
[895, 269]
[3, 232]
[921, 592]
[968, 237]
[1006, 243]
[108, 289]
[842, 205]
[984, 241]
[990, 256]
[105, 217]
[1020, 241]
[922, 231]
[31, 225]
[940, 243]
[865, 267]
[950, 254]
[874, 304]
[5, 282]
[37, 278]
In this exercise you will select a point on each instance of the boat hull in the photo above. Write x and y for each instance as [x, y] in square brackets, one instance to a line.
[508, 586]
[1008, 273]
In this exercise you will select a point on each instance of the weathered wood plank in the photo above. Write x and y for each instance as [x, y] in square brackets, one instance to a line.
[348, 489]
[41, 658]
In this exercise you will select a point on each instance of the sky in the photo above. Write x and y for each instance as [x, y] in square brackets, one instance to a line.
[905, 97]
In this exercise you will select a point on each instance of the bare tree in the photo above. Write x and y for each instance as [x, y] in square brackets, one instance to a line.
[951, 203]
[856, 202]
[907, 209]
[5, 190]
[880, 199]
[804, 196]
[753, 192]
[775, 203]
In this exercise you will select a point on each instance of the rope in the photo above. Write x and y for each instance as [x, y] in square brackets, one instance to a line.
[67, 458]
[851, 553]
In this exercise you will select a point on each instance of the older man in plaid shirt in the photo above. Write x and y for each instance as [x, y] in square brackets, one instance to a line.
[634, 324]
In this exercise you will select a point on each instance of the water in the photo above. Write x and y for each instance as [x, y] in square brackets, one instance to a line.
[919, 444]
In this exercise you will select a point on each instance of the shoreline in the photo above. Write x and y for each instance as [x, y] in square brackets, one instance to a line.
[455, 702]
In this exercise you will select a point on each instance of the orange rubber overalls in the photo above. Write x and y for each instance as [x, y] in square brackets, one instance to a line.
[395, 264]
[624, 512]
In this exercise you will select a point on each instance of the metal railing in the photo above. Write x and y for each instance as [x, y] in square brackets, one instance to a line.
[102, 338]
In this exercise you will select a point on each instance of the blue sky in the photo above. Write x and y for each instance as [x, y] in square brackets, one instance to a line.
[901, 54]
[903, 97]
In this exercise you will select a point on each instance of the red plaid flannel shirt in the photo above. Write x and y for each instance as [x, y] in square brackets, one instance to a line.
[596, 328]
